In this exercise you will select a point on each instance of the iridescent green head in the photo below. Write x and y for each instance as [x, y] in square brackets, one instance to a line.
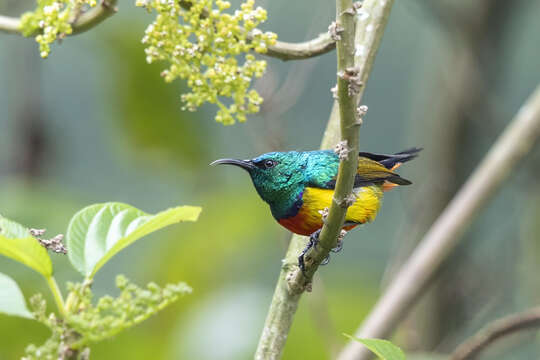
[280, 177]
[275, 175]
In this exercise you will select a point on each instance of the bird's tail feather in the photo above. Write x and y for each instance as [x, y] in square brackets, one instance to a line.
[392, 161]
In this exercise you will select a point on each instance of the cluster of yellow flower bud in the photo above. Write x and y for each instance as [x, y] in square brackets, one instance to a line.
[51, 20]
[211, 50]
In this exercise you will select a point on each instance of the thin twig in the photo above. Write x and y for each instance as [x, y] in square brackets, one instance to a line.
[84, 22]
[515, 142]
[291, 283]
[496, 330]
[302, 50]
[94, 16]
[10, 24]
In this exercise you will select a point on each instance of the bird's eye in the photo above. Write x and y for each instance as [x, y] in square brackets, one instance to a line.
[269, 164]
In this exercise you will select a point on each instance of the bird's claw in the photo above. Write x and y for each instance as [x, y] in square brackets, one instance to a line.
[312, 243]
[314, 239]
[338, 247]
[326, 260]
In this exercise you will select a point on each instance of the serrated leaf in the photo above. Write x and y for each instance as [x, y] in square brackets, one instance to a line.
[384, 349]
[17, 244]
[96, 233]
[11, 298]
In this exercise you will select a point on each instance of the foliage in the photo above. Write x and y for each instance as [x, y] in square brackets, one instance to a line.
[384, 349]
[80, 322]
[204, 47]
[11, 298]
[96, 233]
[51, 20]
[17, 244]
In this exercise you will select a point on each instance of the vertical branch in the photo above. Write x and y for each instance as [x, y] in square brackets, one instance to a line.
[507, 152]
[348, 85]
[356, 54]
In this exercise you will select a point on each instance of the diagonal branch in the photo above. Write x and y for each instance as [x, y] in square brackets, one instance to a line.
[515, 142]
[86, 21]
[291, 283]
[526, 320]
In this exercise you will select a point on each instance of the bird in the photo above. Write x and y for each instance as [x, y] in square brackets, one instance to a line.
[299, 187]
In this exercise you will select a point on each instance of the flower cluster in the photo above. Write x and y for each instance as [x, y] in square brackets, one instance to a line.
[211, 49]
[51, 20]
[112, 315]
[50, 349]
[86, 323]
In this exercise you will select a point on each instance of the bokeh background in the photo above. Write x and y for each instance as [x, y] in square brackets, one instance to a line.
[95, 123]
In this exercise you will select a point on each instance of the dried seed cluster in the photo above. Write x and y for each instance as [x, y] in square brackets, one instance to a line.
[335, 30]
[54, 244]
[352, 75]
[211, 50]
[342, 150]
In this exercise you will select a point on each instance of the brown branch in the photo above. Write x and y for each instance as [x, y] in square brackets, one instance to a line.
[84, 22]
[496, 330]
[516, 141]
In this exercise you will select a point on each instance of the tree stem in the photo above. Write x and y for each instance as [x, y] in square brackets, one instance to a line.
[57, 295]
[354, 51]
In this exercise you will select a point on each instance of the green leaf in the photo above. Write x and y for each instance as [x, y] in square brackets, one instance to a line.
[384, 349]
[97, 232]
[17, 244]
[11, 298]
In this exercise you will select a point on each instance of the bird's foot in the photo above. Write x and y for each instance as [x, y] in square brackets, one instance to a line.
[338, 247]
[326, 260]
[314, 238]
[312, 243]
[339, 244]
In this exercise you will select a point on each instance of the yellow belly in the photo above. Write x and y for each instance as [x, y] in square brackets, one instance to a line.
[364, 209]
[309, 218]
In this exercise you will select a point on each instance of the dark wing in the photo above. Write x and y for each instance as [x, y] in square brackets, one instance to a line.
[375, 169]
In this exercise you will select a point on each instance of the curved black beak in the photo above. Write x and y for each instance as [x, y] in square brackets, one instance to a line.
[244, 164]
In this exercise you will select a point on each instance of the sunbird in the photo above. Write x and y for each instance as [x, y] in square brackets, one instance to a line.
[299, 186]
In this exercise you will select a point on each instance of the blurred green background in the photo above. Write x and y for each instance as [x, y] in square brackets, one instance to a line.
[95, 123]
